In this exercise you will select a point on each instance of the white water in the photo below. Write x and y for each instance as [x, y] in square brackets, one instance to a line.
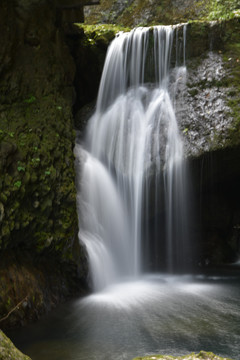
[131, 167]
[160, 314]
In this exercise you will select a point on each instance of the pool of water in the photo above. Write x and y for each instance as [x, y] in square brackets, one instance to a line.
[161, 314]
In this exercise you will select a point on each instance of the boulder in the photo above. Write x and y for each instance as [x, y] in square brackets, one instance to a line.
[203, 355]
[8, 351]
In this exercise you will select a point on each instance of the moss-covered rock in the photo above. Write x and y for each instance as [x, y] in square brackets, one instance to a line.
[8, 351]
[37, 160]
[207, 107]
[38, 218]
[100, 33]
[152, 12]
[203, 355]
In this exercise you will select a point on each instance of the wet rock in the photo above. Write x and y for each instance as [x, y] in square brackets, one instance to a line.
[37, 177]
[33, 285]
[1, 212]
[150, 12]
[203, 110]
[83, 115]
[203, 355]
[8, 351]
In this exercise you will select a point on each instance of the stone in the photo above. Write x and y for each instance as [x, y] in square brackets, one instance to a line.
[36, 96]
[8, 351]
[203, 355]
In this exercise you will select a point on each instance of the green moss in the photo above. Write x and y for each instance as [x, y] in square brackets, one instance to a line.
[102, 33]
[193, 92]
[8, 350]
[222, 9]
[203, 355]
[146, 12]
[5, 231]
[39, 152]
[232, 63]
[43, 240]
[18, 184]
[30, 100]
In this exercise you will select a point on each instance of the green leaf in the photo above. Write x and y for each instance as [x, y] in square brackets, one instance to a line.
[21, 168]
[18, 184]
[30, 100]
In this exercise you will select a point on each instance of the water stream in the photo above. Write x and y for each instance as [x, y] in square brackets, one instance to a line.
[131, 163]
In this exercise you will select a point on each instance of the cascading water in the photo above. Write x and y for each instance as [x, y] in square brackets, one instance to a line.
[131, 173]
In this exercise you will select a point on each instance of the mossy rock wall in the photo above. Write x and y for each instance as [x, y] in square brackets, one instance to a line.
[151, 12]
[8, 351]
[37, 179]
[203, 355]
[208, 112]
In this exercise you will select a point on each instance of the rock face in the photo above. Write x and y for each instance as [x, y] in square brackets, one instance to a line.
[203, 355]
[38, 221]
[207, 100]
[8, 350]
[209, 119]
[151, 12]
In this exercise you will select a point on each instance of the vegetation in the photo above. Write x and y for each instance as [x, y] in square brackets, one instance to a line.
[31, 156]
[8, 350]
[223, 9]
[146, 12]
[38, 219]
[203, 355]
[100, 33]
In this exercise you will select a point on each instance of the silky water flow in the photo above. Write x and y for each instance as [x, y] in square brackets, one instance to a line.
[133, 212]
[132, 167]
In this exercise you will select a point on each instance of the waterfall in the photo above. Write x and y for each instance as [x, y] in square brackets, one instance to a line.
[132, 198]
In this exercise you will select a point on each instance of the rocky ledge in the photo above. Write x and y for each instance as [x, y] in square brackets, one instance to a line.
[8, 351]
[203, 355]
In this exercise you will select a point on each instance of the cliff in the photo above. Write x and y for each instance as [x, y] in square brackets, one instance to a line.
[40, 257]
[152, 12]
